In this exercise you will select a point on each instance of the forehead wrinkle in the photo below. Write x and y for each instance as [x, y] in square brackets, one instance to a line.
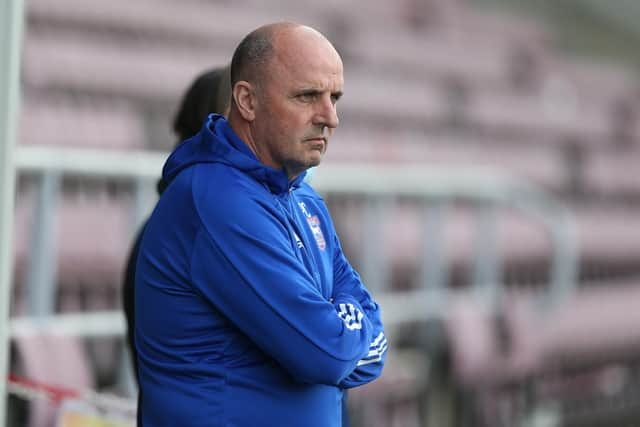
[297, 49]
[316, 80]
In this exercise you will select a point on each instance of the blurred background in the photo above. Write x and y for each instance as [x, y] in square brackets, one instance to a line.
[484, 180]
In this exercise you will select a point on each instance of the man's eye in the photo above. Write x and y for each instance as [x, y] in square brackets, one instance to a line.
[307, 97]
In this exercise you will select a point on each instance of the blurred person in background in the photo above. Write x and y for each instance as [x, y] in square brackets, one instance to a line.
[248, 313]
[209, 93]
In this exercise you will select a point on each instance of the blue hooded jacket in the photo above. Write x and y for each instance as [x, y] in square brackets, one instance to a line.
[247, 312]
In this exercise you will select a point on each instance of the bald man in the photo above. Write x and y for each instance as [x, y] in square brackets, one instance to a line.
[248, 313]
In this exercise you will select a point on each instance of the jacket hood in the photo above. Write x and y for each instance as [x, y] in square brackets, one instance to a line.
[216, 142]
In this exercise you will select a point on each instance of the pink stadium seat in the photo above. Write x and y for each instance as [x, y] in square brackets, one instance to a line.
[545, 114]
[58, 361]
[596, 82]
[391, 100]
[594, 326]
[384, 401]
[597, 323]
[540, 163]
[472, 341]
[93, 238]
[437, 56]
[116, 126]
[145, 71]
[93, 241]
[609, 233]
[148, 18]
[499, 26]
[401, 235]
[487, 349]
[611, 171]
[602, 234]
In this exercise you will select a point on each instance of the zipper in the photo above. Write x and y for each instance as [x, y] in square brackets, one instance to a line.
[305, 254]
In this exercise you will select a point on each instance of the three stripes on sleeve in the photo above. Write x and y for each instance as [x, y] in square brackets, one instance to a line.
[352, 318]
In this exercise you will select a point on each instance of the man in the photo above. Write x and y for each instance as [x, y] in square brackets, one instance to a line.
[247, 312]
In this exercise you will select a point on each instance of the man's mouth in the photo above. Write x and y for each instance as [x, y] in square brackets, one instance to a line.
[317, 143]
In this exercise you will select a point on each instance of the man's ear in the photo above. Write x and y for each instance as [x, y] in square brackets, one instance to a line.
[244, 96]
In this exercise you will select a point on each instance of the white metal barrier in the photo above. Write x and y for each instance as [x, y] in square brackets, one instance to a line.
[436, 187]
[11, 24]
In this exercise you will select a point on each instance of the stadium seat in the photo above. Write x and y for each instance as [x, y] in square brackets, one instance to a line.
[150, 19]
[92, 241]
[541, 163]
[106, 66]
[593, 326]
[612, 171]
[66, 124]
[405, 54]
[55, 361]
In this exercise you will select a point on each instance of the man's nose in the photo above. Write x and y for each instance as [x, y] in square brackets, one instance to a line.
[326, 114]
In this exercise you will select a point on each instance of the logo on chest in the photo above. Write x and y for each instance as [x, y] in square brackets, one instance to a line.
[314, 225]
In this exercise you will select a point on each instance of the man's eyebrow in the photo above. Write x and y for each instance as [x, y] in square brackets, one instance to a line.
[313, 91]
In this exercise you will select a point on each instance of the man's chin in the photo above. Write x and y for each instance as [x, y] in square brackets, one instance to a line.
[314, 162]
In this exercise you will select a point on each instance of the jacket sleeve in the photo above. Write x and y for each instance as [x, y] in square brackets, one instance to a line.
[347, 281]
[246, 265]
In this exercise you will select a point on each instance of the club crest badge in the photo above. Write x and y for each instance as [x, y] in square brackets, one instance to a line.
[314, 225]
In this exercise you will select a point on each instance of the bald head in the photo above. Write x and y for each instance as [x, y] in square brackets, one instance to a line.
[255, 52]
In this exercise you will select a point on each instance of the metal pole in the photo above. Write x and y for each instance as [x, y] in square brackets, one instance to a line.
[11, 24]
[487, 280]
[42, 274]
[375, 265]
[434, 271]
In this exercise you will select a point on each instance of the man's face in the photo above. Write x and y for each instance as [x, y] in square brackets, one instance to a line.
[296, 104]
